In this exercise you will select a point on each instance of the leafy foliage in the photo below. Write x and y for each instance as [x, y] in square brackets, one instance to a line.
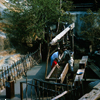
[91, 26]
[26, 21]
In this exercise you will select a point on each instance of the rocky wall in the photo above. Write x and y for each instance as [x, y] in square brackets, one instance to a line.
[4, 43]
[1, 43]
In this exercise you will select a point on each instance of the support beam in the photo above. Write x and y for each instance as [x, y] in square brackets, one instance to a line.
[60, 35]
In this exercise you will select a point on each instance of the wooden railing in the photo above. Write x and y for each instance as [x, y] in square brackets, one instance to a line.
[17, 69]
[44, 90]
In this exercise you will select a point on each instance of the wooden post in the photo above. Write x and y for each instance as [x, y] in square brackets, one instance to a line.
[31, 90]
[40, 52]
[39, 90]
[15, 72]
[5, 73]
[11, 74]
[31, 61]
[47, 63]
[67, 83]
[0, 83]
[21, 90]
[26, 83]
[36, 88]
[8, 70]
[18, 70]
[47, 90]
[72, 42]
[3, 76]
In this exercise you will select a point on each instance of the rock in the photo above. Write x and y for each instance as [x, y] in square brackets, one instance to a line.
[97, 86]
[93, 84]
[92, 95]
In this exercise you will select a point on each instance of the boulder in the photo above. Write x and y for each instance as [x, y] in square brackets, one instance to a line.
[94, 94]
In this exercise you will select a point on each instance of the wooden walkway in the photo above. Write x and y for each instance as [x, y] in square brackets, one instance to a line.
[82, 66]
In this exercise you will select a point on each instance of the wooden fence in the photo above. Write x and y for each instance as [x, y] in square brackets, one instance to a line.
[43, 90]
[16, 70]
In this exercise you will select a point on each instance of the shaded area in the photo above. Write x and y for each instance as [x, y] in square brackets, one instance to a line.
[37, 71]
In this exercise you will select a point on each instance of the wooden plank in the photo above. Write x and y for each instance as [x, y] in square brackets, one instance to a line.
[85, 57]
[21, 90]
[47, 63]
[82, 64]
[62, 76]
[60, 95]
[51, 72]
[77, 77]
[52, 79]
[60, 35]
[90, 80]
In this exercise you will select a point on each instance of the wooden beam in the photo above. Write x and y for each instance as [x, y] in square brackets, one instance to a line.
[47, 63]
[60, 35]
[82, 64]
[60, 95]
[52, 79]
[21, 90]
[63, 74]
[51, 72]
[90, 80]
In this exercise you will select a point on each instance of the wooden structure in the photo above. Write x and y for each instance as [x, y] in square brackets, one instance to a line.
[16, 70]
[50, 91]
[81, 71]
[83, 62]
[59, 74]
[10, 90]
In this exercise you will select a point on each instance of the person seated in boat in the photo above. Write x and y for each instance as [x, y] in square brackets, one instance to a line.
[57, 54]
[55, 62]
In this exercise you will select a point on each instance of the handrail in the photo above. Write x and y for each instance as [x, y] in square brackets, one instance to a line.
[53, 83]
[41, 86]
[17, 69]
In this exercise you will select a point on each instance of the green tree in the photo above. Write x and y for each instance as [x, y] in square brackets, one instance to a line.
[26, 21]
[91, 29]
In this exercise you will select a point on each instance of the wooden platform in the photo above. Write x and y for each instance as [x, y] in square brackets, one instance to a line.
[83, 62]
[82, 66]
[58, 74]
[79, 76]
